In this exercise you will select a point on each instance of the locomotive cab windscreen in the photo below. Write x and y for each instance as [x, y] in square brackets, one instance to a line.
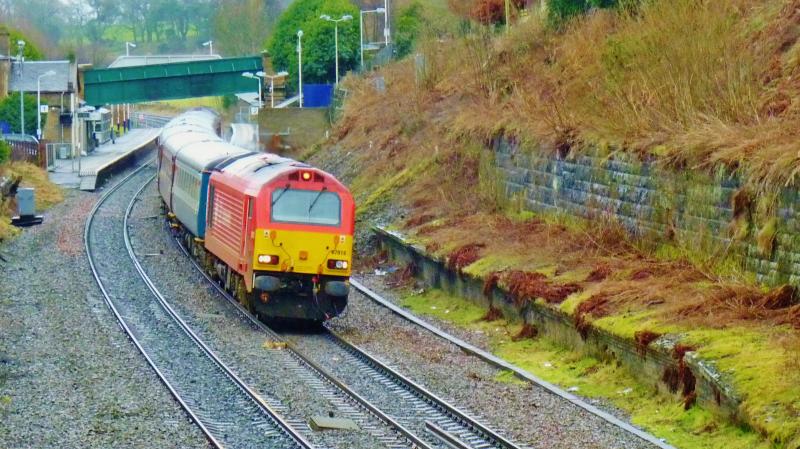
[313, 207]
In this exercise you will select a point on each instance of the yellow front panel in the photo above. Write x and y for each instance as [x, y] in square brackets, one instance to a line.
[303, 252]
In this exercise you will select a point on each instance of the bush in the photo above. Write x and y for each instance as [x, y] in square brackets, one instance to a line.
[560, 11]
[9, 113]
[318, 40]
[493, 12]
[31, 52]
[5, 151]
[409, 22]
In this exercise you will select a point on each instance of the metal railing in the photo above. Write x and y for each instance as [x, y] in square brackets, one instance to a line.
[143, 120]
[25, 148]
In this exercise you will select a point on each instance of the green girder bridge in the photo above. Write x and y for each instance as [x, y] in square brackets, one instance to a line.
[170, 81]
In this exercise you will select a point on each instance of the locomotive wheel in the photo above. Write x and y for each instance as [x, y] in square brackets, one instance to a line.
[242, 296]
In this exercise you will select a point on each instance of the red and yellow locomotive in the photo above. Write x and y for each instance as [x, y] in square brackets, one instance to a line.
[276, 232]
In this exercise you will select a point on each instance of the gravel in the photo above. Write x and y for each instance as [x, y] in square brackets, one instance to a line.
[68, 375]
[273, 373]
[232, 417]
[524, 412]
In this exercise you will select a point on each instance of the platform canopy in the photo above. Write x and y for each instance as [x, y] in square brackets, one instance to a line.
[170, 81]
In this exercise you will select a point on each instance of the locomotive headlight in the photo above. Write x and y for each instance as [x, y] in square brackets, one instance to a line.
[267, 259]
[337, 264]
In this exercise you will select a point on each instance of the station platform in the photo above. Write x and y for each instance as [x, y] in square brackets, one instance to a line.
[92, 169]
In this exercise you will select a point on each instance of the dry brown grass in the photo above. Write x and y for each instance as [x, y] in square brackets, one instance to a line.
[694, 82]
[47, 193]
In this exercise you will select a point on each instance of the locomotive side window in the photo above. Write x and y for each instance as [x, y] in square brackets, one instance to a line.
[316, 207]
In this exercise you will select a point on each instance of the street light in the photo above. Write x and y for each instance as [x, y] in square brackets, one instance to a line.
[210, 45]
[257, 77]
[386, 33]
[361, 30]
[21, 46]
[300, 64]
[272, 86]
[128, 46]
[39, 102]
[336, 36]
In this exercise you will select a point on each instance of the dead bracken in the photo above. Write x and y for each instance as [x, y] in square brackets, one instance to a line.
[526, 286]
[527, 331]
[643, 339]
[464, 256]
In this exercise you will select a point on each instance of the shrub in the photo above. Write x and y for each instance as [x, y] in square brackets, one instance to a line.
[318, 40]
[5, 151]
[560, 11]
[9, 112]
[409, 22]
[489, 12]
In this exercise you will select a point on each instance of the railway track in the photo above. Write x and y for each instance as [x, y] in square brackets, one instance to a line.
[422, 418]
[228, 412]
[504, 365]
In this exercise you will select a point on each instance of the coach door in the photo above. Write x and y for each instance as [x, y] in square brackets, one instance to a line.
[249, 234]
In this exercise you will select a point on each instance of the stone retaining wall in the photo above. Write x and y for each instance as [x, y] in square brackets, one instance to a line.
[657, 364]
[691, 208]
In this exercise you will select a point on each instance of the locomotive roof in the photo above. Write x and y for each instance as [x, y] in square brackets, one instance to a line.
[253, 172]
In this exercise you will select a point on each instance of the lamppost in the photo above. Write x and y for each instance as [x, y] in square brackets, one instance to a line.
[210, 45]
[507, 12]
[361, 30]
[21, 46]
[256, 77]
[128, 46]
[39, 102]
[300, 64]
[336, 36]
[386, 32]
[272, 86]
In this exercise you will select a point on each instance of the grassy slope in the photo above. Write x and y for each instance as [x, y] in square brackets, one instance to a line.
[47, 194]
[691, 82]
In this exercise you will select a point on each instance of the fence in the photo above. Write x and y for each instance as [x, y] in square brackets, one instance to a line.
[25, 148]
[142, 120]
[57, 150]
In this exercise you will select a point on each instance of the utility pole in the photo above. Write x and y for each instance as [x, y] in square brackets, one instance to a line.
[300, 64]
[21, 46]
[508, 19]
[336, 37]
[386, 31]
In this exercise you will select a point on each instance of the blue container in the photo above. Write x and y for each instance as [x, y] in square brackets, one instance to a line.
[317, 95]
[5, 128]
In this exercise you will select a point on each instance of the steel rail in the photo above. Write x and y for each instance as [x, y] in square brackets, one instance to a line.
[409, 385]
[107, 298]
[322, 372]
[503, 364]
[272, 414]
[422, 392]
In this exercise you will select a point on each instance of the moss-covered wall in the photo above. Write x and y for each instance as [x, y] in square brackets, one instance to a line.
[692, 210]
